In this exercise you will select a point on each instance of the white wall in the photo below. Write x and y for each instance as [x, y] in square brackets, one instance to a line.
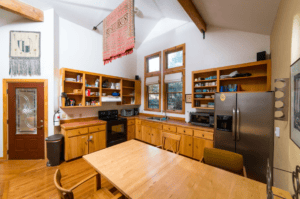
[47, 63]
[81, 49]
[221, 47]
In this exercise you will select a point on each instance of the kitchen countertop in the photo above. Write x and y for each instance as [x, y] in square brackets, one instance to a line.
[74, 125]
[171, 122]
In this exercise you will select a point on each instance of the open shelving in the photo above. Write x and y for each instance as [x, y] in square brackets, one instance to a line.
[259, 81]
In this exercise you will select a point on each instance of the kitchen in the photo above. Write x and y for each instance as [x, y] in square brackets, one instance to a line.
[128, 101]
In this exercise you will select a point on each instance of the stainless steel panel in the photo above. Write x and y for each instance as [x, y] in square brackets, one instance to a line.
[224, 139]
[256, 132]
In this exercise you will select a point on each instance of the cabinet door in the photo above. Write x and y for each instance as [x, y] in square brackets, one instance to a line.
[76, 146]
[146, 131]
[138, 132]
[199, 145]
[169, 143]
[130, 132]
[97, 141]
[156, 136]
[186, 145]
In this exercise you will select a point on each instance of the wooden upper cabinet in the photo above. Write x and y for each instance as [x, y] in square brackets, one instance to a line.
[186, 145]
[199, 145]
[138, 93]
[97, 141]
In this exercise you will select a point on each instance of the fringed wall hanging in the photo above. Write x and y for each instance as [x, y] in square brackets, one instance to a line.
[119, 32]
[24, 53]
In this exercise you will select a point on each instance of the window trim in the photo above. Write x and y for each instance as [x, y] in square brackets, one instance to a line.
[152, 74]
[170, 71]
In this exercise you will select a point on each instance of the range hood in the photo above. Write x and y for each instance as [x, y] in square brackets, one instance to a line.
[111, 99]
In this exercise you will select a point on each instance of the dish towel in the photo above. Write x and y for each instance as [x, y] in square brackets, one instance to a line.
[118, 32]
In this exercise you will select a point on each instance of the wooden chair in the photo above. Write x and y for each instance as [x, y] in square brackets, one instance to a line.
[68, 193]
[226, 160]
[170, 136]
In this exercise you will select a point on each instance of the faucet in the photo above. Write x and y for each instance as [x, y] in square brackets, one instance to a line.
[166, 114]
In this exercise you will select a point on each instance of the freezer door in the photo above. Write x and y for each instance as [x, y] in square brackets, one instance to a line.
[255, 132]
[225, 108]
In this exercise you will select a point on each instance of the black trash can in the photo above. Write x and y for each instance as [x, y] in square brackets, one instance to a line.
[55, 149]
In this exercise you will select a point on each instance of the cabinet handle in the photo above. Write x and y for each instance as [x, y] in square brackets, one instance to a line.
[184, 131]
[202, 135]
[189, 144]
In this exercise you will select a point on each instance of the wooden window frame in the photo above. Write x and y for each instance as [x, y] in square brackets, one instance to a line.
[171, 71]
[152, 74]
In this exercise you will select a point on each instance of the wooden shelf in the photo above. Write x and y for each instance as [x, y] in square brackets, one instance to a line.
[204, 99]
[241, 78]
[128, 96]
[128, 87]
[211, 93]
[209, 80]
[87, 87]
[208, 108]
[205, 87]
[93, 96]
[73, 82]
[110, 89]
[74, 93]
[129, 104]
[246, 92]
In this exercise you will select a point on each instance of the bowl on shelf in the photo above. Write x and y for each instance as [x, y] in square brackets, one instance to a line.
[207, 97]
[204, 105]
[199, 96]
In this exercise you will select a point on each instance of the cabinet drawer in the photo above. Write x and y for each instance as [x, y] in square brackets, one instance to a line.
[76, 132]
[204, 134]
[184, 131]
[130, 122]
[169, 128]
[138, 122]
[152, 124]
[97, 128]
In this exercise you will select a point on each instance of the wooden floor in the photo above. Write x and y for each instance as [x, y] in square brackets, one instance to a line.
[33, 179]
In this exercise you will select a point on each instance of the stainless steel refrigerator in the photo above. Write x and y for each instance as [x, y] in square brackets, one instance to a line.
[244, 123]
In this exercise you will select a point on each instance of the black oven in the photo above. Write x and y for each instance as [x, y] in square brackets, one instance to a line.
[202, 119]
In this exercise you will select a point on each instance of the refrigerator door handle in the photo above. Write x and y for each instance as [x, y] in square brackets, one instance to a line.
[233, 124]
[238, 125]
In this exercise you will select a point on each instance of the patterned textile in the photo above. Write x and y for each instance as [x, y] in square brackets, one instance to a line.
[118, 32]
[24, 53]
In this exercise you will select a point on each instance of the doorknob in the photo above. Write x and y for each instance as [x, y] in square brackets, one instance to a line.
[39, 127]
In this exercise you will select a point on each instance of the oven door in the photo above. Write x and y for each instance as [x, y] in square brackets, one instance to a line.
[201, 119]
[116, 132]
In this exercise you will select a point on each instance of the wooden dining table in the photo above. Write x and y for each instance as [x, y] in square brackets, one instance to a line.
[139, 170]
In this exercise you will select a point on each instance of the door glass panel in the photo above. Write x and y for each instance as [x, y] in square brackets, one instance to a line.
[26, 111]
[117, 128]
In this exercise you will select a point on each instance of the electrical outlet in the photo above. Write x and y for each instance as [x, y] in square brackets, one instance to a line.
[64, 116]
[71, 116]
[80, 115]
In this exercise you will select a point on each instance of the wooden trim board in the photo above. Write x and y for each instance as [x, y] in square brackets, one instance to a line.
[22, 9]
[5, 109]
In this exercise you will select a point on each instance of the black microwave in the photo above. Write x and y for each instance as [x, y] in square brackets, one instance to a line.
[202, 119]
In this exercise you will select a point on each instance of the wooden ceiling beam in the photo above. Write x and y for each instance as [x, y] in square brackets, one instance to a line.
[194, 14]
[22, 9]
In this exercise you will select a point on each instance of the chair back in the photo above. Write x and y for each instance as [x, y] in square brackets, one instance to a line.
[226, 160]
[64, 193]
[169, 137]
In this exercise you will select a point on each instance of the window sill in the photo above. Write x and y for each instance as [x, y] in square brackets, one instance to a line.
[152, 110]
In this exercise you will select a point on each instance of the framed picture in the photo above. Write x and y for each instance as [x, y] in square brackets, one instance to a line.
[295, 102]
[188, 98]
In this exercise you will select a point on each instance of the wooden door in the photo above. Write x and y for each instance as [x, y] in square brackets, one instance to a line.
[138, 132]
[97, 141]
[186, 145]
[146, 131]
[77, 146]
[26, 120]
[199, 145]
[156, 136]
[130, 132]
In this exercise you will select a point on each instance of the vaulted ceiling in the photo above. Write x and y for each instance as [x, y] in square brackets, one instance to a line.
[160, 16]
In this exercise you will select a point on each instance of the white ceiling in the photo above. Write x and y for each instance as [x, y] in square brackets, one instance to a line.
[160, 16]
[255, 16]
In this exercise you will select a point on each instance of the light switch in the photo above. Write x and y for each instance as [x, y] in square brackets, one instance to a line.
[277, 131]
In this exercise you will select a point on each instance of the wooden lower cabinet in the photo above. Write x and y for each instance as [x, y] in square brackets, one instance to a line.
[77, 146]
[146, 134]
[97, 141]
[138, 132]
[186, 145]
[170, 144]
[199, 145]
[156, 136]
[130, 132]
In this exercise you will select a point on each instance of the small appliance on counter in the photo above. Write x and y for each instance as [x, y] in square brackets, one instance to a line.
[127, 112]
[136, 111]
[202, 119]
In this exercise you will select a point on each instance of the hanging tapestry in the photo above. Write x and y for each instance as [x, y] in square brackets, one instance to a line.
[118, 32]
[24, 53]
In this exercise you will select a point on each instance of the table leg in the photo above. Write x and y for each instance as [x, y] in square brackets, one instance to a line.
[98, 181]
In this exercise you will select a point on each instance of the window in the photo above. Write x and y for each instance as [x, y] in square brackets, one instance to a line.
[152, 96]
[174, 80]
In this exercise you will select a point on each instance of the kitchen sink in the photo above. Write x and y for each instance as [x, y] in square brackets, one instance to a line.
[157, 118]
